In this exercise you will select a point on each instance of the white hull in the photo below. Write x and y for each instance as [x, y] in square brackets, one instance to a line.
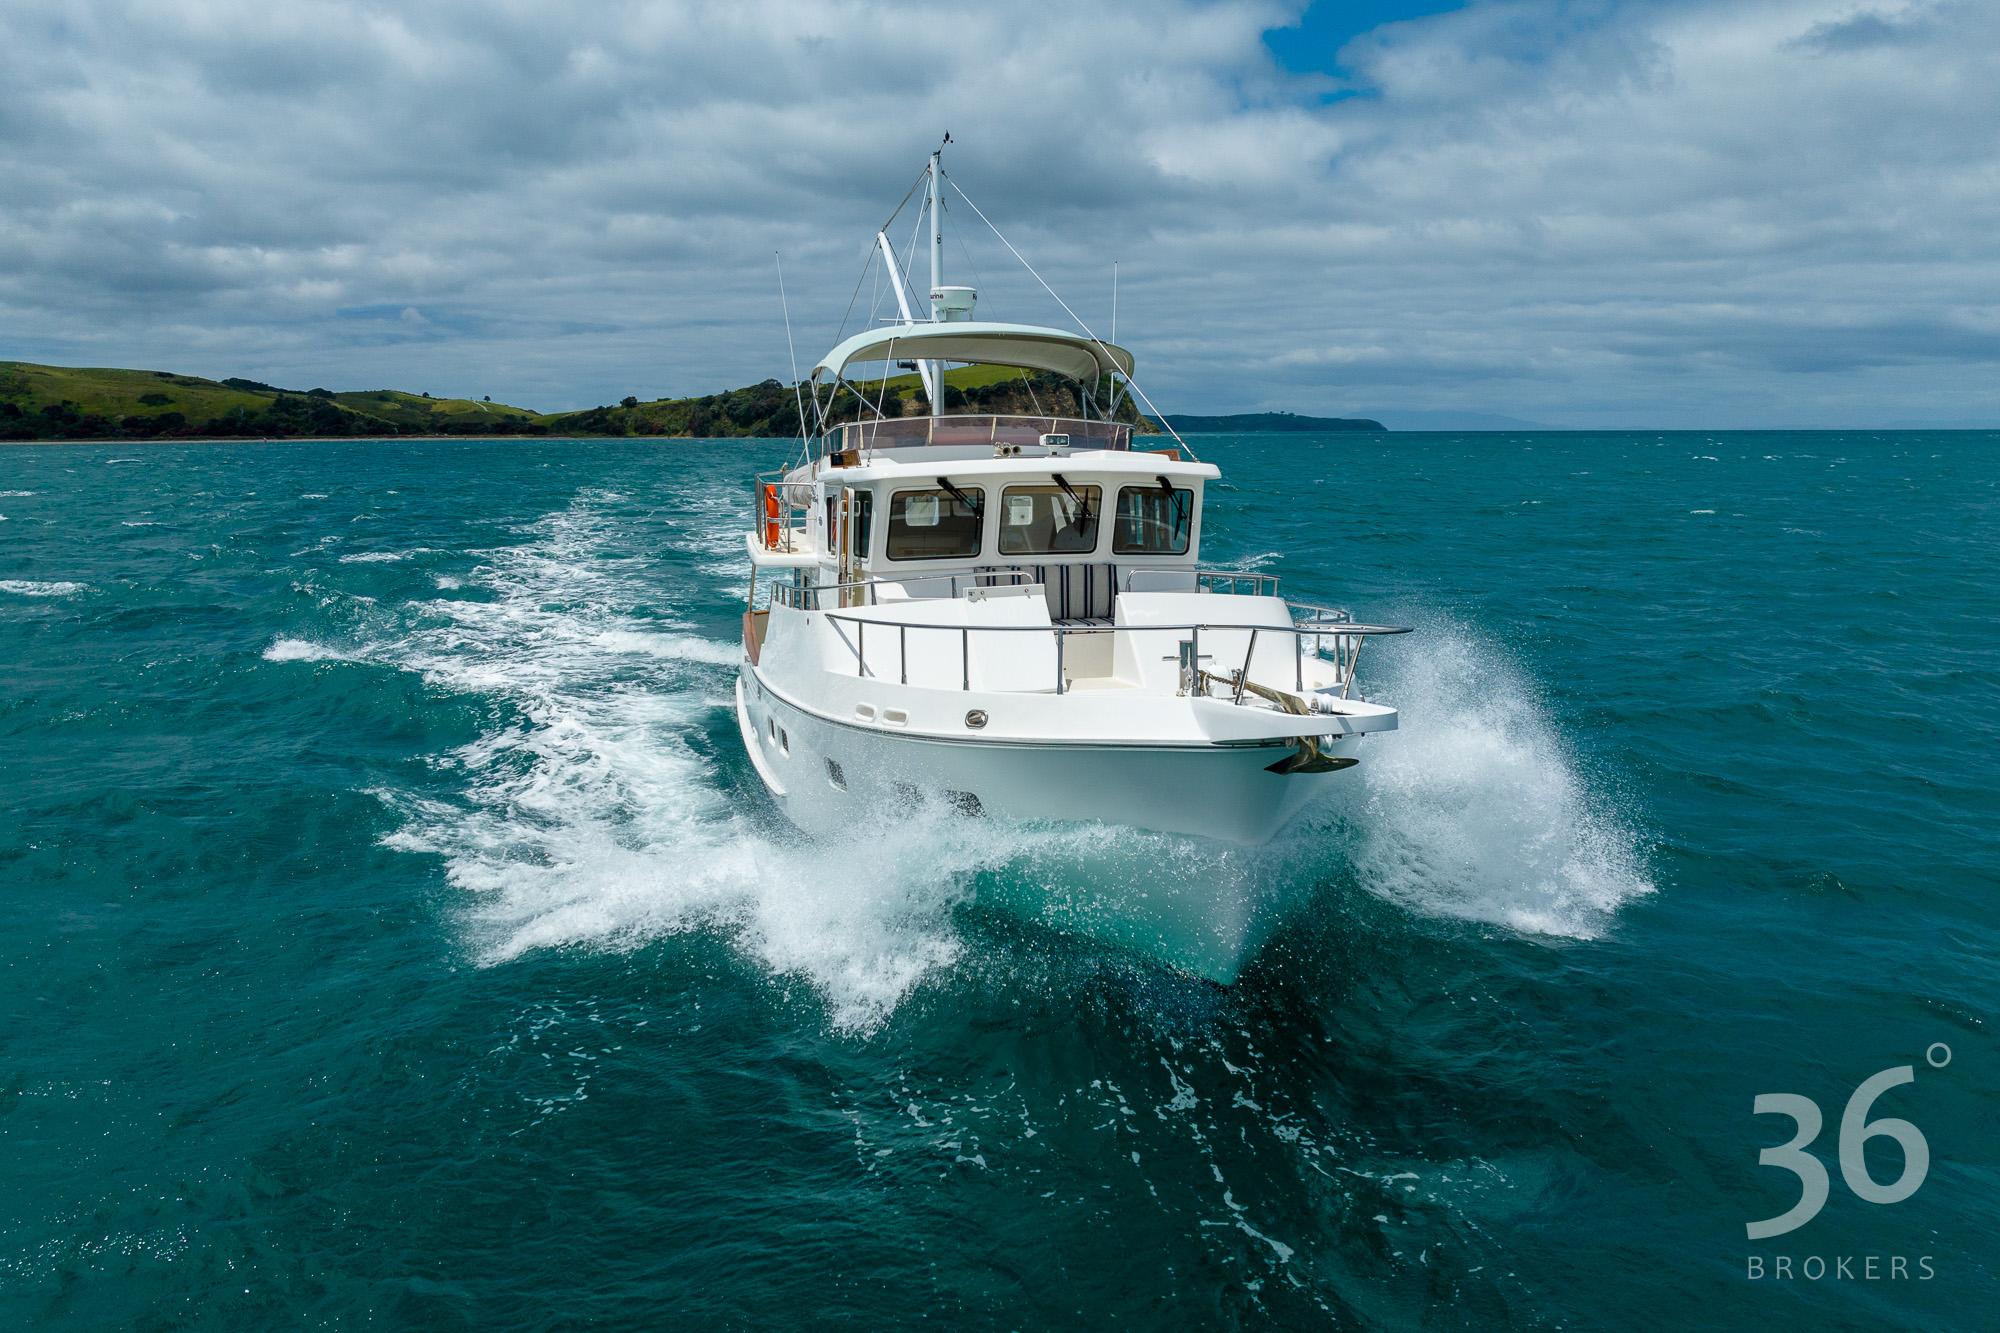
[1203, 910]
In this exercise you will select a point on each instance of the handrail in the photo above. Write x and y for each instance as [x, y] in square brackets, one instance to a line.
[1264, 585]
[794, 596]
[795, 498]
[1348, 636]
[964, 429]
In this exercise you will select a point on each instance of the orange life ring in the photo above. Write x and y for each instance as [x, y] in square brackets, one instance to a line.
[770, 516]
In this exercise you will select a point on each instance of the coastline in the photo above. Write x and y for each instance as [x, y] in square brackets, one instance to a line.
[371, 439]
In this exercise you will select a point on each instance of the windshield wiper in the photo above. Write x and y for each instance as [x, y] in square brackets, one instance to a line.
[959, 496]
[1082, 505]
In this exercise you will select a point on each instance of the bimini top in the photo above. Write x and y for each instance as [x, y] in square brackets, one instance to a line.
[1069, 354]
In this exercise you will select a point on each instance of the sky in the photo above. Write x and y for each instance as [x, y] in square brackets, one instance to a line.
[1578, 213]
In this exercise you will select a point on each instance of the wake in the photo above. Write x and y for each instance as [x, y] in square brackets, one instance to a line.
[595, 816]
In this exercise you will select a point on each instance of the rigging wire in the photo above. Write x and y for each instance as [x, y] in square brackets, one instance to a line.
[792, 351]
[1136, 388]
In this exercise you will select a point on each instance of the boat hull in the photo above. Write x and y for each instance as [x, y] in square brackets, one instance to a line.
[1178, 874]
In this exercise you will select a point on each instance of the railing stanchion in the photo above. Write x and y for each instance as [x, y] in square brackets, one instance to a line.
[964, 658]
[903, 651]
[1060, 635]
[1243, 678]
[861, 644]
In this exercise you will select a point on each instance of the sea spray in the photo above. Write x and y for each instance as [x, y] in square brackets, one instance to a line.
[1476, 808]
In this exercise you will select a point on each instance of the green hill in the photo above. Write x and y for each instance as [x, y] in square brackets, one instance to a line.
[769, 410]
[71, 403]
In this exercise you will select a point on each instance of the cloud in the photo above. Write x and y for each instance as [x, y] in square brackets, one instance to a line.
[1657, 213]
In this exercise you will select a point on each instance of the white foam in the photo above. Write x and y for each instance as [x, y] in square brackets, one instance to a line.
[383, 557]
[305, 650]
[592, 821]
[594, 817]
[15, 495]
[1476, 809]
[31, 588]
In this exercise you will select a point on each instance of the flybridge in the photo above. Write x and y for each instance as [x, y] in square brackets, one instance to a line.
[1101, 372]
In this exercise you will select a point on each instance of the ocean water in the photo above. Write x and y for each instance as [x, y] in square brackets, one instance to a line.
[395, 933]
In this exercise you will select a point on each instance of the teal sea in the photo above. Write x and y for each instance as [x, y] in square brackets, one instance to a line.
[395, 934]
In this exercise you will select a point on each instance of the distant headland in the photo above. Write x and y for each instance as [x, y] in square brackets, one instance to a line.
[39, 402]
[1251, 423]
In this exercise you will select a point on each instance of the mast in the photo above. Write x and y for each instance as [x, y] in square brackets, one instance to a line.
[935, 380]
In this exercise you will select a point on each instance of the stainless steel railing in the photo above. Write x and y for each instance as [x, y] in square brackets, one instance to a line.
[980, 428]
[1195, 679]
[794, 502]
[812, 596]
[1223, 582]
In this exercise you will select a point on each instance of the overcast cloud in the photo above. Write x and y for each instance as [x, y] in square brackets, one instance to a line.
[1664, 213]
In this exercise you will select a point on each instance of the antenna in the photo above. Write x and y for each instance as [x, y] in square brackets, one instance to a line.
[1114, 300]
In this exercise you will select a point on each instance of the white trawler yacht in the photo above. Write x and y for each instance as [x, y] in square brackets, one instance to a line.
[1008, 615]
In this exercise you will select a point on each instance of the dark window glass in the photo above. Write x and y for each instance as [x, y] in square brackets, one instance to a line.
[1152, 521]
[1047, 520]
[864, 522]
[933, 525]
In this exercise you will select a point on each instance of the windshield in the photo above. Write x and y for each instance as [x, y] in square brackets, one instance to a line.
[934, 524]
[1153, 520]
[1049, 520]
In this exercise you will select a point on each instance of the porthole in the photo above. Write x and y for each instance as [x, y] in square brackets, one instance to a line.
[784, 742]
[834, 777]
[771, 728]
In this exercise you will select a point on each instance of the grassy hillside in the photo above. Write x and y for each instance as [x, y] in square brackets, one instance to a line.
[430, 415]
[67, 403]
[74, 403]
[770, 410]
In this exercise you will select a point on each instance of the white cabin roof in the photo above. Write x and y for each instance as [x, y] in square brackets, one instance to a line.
[1069, 354]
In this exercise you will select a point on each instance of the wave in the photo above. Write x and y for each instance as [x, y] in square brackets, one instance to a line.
[32, 588]
[305, 650]
[384, 557]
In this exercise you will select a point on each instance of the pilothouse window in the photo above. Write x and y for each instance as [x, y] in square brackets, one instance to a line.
[1049, 520]
[1153, 520]
[934, 524]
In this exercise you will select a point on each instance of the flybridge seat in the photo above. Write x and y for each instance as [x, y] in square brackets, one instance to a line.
[915, 432]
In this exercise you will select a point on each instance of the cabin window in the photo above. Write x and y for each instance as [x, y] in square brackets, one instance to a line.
[1049, 520]
[1152, 520]
[934, 524]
